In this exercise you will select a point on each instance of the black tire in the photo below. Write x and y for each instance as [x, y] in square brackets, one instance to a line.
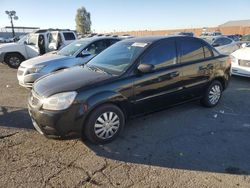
[89, 127]
[207, 99]
[13, 64]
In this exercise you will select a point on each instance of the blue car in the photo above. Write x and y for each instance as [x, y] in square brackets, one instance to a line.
[76, 53]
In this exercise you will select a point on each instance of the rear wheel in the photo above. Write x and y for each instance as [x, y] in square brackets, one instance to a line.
[212, 95]
[104, 124]
[13, 60]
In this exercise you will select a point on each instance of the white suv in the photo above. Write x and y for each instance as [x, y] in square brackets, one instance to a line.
[34, 44]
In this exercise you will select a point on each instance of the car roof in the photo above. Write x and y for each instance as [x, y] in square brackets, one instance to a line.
[96, 38]
[152, 39]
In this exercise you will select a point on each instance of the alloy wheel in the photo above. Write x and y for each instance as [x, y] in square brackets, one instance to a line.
[214, 94]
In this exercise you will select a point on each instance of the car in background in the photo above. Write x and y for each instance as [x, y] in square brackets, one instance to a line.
[223, 44]
[204, 34]
[189, 34]
[34, 44]
[76, 53]
[2, 40]
[241, 62]
[245, 37]
[132, 77]
[234, 37]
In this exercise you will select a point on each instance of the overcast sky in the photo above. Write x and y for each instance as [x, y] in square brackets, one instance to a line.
[121, 15]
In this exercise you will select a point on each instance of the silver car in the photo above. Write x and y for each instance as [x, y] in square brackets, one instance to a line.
[76, 53]
[223, 44]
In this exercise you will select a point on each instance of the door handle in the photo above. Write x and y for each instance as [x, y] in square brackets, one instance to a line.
[174, 74]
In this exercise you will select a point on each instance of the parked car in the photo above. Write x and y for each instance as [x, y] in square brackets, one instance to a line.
[2, 40]
[241, 62]
[132, 77]
[245, 38]
[76, 53]
[190, 34]
[34, 44]
[234, 37]
[223, 44]
[204, 34]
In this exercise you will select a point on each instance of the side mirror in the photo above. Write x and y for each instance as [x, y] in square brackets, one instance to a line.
[145, 68]
[85, 53]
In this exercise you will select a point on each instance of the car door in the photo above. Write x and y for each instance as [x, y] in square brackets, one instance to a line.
[160, 87]
[197, 66]
[31, 46]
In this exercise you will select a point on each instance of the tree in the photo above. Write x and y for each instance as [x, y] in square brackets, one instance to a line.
[83, 22]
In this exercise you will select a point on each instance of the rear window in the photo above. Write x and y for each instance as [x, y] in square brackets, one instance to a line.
[69, 36]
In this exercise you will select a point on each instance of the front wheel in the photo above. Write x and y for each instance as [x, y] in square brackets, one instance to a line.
[104, 124]
[212, 95]
[13, 60]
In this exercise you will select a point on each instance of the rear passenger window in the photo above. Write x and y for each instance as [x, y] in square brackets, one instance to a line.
[191, 50]
[207, 52]
[161, 55]
[69, 36]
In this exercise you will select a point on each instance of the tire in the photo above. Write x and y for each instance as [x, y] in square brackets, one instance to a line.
[213, 94]
[99, 128]
[13, 60]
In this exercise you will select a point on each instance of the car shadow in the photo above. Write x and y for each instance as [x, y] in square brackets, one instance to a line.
[13, 117]
[187, 137]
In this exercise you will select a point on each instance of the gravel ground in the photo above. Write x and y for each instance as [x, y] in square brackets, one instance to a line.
[184, 146]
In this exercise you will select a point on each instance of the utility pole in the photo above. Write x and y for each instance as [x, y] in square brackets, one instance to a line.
[12, 15]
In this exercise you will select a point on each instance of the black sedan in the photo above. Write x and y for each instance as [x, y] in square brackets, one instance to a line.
[132, 77]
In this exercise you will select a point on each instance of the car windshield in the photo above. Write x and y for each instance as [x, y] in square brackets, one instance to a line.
[117, 58]
[73, 47]
[21, 41]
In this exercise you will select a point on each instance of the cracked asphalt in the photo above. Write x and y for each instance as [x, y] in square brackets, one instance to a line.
[184, 146]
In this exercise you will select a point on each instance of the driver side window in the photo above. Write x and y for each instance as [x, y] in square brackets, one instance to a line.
[96, 47]
[161, 55]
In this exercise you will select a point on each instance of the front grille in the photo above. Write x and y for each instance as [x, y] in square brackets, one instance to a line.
[244, 63]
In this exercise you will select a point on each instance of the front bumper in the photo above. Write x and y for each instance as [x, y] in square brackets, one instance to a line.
[57, 123]
[240, 71]
[25, 79]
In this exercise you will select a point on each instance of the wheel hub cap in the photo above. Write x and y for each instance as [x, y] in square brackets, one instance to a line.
[106, 125]
[214, 94]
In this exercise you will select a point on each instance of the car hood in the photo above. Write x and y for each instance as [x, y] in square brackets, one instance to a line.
[44, 59]
[243, 53]
[68, 80]
[9, 46]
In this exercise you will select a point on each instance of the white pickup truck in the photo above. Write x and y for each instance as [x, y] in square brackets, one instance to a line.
[34, 44]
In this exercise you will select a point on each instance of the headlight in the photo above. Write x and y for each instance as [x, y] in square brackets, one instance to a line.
[59, 101]
[35, 69]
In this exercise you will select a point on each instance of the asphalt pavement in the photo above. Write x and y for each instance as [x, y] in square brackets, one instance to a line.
[184, 146]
